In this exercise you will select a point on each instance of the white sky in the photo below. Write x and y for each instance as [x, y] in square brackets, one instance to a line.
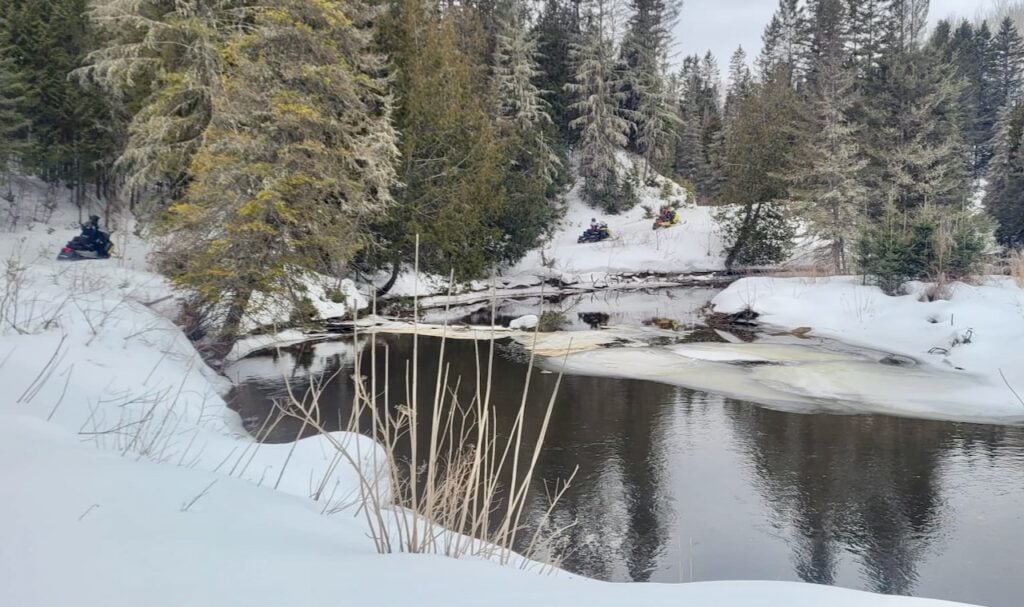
[722, 25]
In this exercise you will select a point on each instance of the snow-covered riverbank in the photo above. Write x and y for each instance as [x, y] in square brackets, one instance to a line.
[127, 481]
[968, 338]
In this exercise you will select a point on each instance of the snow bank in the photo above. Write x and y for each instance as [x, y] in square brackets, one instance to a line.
[968, 341]
[127, 481]
[692, 246]
[88, 346]
[85, 527]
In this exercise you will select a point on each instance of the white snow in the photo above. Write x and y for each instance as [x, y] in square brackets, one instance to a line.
[694, 245]
[970, 340]
[524, 322]
[126, 480]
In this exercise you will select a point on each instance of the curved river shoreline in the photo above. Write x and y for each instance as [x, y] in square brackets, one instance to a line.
[680, 485]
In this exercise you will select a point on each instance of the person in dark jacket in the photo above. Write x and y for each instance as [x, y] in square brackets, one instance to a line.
[97, 239]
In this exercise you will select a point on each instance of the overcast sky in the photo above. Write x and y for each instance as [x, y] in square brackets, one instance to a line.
[722, 25]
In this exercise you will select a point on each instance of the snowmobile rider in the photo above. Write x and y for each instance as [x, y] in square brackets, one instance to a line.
[97, 239]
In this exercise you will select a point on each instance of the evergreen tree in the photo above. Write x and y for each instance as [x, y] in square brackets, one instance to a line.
[912, 133]
[163, 58]
[866, 26]
[740, 83]
[907, 22]
[645, 55]
[296, 159]
[828, 170]
[536, 173]
[520, 101]
[13, 123]
[1008, 65]
[699, 148]
[828, 40]
[1004, 196]
[602, 129]
[70, 133]
[473, 189]
[757, 225]
[556, 28]
[786, 42]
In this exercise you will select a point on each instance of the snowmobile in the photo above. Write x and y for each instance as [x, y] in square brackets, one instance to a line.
[92, 243]
[79, 248]
[667, 218]
[595, 234]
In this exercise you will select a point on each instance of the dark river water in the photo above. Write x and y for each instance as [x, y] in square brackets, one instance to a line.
[675, 485]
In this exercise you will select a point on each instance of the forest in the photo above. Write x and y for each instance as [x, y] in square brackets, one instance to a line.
[256, 139]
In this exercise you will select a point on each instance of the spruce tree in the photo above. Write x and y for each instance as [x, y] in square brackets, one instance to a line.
[557, 26]
[521, 102]
[827, 178]
[786, 42]
[603, 132]
[1004, 196]
[912, 133]
[644, 51]
[1008, 65]
[296, 160]
[163, 58]
[740, 83]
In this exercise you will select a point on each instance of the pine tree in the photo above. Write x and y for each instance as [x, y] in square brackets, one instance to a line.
[296, 159]
[164, 59]
[740, 83]
[598, 91]
[1004, 196]
[866, 24]
[645, 55]
[1008, 65]
[556, 28]
[757, 225]
[786, 42]
[828, 170]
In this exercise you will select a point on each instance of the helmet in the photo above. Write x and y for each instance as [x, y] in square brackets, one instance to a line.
[94, 218]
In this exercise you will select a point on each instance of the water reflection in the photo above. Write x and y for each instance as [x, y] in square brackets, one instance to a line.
[674, 485]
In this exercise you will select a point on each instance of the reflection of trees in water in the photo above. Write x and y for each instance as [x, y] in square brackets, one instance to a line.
[864, 484]
[608, 428]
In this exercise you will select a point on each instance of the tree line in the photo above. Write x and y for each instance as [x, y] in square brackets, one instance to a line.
[336, 134]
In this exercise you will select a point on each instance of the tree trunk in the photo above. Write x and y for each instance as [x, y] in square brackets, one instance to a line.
[231, 330]
[753, 213]
[396, 266]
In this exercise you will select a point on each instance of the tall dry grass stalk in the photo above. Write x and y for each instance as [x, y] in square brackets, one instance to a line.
[462, 489]
[1016, 264]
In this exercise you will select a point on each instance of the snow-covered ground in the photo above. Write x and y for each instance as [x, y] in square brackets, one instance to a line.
[694, 245]
[127, 481]
[835, 345]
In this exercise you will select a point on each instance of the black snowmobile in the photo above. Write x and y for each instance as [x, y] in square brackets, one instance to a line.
[595, 233]
[92, 243]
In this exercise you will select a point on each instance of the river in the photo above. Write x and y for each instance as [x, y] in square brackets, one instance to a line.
[676, 485]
